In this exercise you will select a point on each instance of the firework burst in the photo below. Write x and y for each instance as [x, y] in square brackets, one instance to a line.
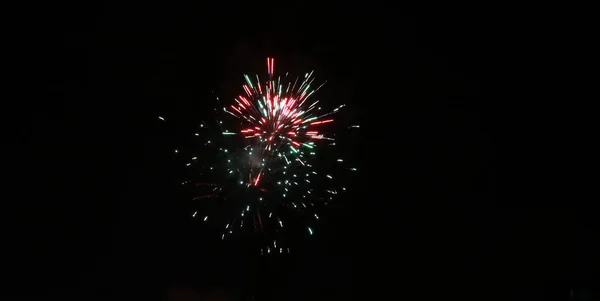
[257, 168]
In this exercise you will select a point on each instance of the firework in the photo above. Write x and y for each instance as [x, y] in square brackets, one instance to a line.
[258, 166]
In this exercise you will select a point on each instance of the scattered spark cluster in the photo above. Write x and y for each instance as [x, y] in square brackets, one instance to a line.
[260, 165]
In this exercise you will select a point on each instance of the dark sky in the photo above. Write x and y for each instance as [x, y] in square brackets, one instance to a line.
[448, 202]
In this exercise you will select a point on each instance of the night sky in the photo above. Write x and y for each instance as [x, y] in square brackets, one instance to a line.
[447, 204]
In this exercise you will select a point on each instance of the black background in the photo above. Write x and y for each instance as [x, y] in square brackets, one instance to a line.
[454, 198]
